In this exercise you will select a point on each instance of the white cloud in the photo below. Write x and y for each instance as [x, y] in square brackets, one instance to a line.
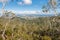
[27, 1]
[28, 12]
[33, 12]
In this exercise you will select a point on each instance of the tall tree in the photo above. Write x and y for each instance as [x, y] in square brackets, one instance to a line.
[52, 4]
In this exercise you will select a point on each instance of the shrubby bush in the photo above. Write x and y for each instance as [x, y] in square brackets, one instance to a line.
[42, 28]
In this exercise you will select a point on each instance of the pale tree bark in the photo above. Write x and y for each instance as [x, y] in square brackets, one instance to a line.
[5, 28]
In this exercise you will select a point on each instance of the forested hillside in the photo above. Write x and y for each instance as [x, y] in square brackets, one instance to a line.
[42, 28]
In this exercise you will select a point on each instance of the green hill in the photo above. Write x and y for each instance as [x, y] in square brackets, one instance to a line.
[42, 28]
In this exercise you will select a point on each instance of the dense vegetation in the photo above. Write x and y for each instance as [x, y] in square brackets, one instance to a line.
[42, 28]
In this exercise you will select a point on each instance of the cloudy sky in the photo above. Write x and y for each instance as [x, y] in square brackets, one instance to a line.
[24, 6]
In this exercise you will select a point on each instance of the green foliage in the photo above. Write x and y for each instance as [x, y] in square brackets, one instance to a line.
[46, 38]
[42, 28]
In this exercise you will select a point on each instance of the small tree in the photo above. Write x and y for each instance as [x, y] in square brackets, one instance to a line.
[53, 5]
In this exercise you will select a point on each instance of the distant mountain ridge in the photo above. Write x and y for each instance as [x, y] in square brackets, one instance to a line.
[39, 15]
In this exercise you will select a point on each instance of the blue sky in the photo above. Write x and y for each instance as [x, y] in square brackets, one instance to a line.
[24, 6]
